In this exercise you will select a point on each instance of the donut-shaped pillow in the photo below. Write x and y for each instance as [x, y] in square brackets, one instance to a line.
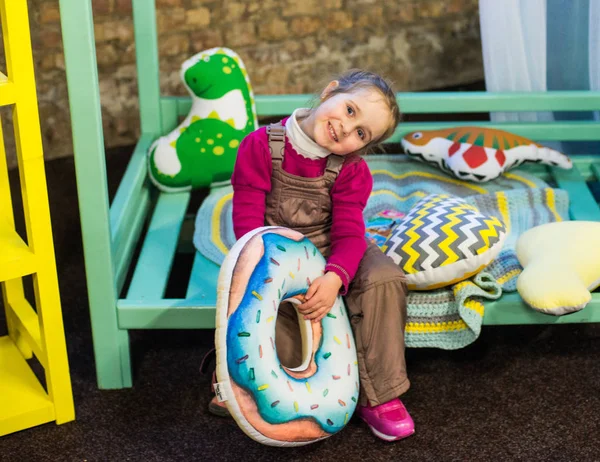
[274, 404]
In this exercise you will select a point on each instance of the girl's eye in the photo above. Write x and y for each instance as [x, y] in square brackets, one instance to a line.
[350, 110]
[361, 133]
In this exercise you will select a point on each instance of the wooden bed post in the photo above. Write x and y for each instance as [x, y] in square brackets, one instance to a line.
[111, 344]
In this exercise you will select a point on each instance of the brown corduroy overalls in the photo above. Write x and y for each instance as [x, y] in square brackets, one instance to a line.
[376, 298]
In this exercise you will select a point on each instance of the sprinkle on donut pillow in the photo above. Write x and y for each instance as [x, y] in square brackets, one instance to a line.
[274, 404]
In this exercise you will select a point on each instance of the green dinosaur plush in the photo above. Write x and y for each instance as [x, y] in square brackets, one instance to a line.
[202, 149]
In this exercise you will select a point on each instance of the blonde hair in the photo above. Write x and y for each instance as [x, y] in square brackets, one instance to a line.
[357, 79]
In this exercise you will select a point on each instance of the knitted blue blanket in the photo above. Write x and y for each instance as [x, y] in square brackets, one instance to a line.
[447, 318]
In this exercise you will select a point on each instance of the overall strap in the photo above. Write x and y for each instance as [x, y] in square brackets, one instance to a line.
[334, 165]
[276, 134]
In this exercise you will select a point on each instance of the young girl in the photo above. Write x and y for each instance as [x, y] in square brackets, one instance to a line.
[306, 173]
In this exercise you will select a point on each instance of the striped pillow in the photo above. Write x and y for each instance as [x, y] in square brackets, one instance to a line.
[444, 240]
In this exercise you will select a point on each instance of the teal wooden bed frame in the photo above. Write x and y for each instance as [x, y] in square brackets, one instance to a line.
[112, 232]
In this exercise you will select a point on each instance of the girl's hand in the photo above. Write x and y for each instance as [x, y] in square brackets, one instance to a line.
[320, 296]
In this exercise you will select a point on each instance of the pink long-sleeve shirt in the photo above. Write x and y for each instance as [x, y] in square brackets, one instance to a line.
[251, 182]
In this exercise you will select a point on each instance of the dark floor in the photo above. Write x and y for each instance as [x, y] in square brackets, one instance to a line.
[518, 393]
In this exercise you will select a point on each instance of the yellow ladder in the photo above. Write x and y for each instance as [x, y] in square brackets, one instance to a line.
[24, 402]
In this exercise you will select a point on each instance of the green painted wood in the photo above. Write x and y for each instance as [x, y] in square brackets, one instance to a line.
[582, 205]
[184, 314]
[510, 310]
[111, 345]
[595, 168]
[132, 193]
[202, 285]
[129, 210]
[165, 314]
[126, 253]
[146, 52]
[462, 102]
[158, 250]
[441, 102]
[170, 115]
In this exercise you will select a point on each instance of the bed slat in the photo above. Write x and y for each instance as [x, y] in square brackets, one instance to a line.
[511, 310]
[203, 281]
[582, 204]
[442, 102]
[187, 314]
[156, 258]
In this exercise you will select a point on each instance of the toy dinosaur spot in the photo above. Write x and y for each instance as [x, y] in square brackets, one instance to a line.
[227, 70]
[451, 136]
[225, 60]
[197, 140]
[452, 150]
[234, 144]
[475, 156]
[202, 150]
[500, 157]
[173, 144]
[182, 129]
[218, 150]
[479, 141]
[219, 135]
[495, 143]
[464, 138]
[210, 141]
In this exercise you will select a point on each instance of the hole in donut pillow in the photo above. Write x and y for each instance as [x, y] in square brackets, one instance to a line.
[292, 337]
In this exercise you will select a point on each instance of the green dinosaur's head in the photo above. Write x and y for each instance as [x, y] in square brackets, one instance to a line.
[212, 73]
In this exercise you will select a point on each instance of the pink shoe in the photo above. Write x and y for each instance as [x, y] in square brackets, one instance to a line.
[389, 421]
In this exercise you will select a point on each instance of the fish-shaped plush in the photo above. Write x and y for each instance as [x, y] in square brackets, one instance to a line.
[478, 154]
[202, 150]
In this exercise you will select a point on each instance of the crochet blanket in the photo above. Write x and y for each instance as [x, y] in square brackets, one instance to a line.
[447, 318]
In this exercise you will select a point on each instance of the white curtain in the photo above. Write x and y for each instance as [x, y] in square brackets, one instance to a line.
[594, 52]
[539, 45]
[513, 38]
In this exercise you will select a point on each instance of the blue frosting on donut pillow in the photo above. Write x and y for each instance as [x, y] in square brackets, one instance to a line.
[274, 404]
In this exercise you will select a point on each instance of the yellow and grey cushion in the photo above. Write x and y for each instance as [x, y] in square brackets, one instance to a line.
[444, 240]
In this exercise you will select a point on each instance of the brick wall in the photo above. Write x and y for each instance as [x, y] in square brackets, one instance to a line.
[287, 45]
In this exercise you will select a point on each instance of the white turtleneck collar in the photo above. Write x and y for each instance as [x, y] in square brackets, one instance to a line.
[299, 140]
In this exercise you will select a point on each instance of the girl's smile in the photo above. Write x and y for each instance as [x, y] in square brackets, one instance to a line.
[346, 122]
[332, 132]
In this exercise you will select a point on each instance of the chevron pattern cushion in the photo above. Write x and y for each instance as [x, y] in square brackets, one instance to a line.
[444, 240]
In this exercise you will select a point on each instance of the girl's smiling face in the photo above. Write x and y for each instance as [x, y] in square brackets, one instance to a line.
[346, 122]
